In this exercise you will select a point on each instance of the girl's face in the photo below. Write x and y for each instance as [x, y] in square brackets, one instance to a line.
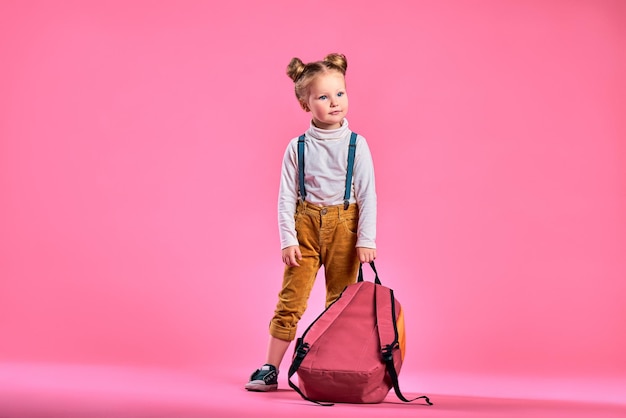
[327, 100]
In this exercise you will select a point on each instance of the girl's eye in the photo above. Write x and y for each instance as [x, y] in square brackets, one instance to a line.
[340, 93]
[322, 97]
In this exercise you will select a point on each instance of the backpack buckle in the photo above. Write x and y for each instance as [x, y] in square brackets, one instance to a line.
[387, 352]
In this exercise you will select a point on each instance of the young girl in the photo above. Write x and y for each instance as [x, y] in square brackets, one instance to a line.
[319, 229]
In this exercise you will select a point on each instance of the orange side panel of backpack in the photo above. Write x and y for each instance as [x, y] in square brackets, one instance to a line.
[401, 332]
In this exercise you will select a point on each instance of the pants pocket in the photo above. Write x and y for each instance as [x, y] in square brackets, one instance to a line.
[351, 225]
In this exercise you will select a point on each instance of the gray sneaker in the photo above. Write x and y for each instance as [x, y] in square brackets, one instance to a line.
[264, 379]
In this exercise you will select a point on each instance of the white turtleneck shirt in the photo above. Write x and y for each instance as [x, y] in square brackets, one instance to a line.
[325, 168]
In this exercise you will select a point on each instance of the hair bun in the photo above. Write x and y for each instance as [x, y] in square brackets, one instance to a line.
[295, 68]
[337, 60]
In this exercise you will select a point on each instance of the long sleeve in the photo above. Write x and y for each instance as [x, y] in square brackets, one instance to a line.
[365, 193]
[288, 197]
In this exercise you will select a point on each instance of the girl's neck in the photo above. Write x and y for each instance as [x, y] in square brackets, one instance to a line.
[329, 134]
[325, 127]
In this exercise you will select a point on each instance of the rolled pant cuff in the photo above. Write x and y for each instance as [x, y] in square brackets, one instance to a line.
[286, 334]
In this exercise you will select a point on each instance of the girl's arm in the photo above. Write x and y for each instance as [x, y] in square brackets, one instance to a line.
[365, 195]
[288, 197]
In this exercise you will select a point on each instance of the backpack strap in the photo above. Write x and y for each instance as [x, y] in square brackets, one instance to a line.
[388, 335]
[302, 349]
[351, 153]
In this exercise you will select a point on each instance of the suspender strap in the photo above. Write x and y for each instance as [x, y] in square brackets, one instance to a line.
[301, 167]
[351, 151]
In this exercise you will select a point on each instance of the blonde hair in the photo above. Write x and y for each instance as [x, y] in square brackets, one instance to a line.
[303, 74]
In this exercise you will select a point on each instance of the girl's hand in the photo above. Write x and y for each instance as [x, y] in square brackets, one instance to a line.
[291, 255]
[366, 255]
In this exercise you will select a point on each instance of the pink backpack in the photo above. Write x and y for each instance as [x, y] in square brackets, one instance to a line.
[353, 351]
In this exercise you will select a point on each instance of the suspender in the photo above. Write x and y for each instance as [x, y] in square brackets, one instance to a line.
[351, 152]
[301, 167]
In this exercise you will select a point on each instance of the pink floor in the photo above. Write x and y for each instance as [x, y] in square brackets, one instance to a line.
[72, 391]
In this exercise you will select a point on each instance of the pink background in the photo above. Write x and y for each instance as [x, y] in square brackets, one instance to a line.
[140, 149]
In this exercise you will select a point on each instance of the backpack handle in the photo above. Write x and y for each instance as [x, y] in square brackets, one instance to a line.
[360, 277]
